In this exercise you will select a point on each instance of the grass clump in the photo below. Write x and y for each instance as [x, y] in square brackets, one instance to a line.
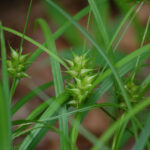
[78, 91]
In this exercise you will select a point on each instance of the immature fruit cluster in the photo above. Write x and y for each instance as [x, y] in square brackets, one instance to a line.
[133, 92]
[81, 81]
[16, 64]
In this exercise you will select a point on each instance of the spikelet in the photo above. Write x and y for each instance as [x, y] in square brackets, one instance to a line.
[133, 91]
[82, 78]
[16, 64]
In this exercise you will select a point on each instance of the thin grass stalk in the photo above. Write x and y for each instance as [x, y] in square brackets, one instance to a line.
[5, 114]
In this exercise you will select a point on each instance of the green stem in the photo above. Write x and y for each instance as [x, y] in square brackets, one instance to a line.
[142, 43]
[25, 27]
[87, 28]
[13, 87]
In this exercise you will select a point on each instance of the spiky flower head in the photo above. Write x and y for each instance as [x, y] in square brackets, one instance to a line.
[81, 81]
[16, 64]
[133, 91]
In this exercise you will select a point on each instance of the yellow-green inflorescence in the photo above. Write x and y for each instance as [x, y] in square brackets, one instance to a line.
[81, 81]
[16, 64]
[133, 91]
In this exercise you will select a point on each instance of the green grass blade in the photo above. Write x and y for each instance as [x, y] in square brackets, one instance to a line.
[25, 27]
[144, 137]
[118, 135]
[127, 116]
[35, 136]
[5, 122]
[58, 81]
[69, 113]
[109, 47]
[60, 31]
[5, 115]
[36, 44]
[78, 16]
[71, 34]
[144, 87]
[50, 44]
[99, 21]
[5, 79]
[132, 56]
[29, 96]
[15, 80]
[142, 43]
[125, 18]
[35, 114]
[124, 7]
[133, 17]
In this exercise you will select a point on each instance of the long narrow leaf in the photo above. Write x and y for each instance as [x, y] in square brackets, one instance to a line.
[99, 21]
[5, 79]
[58, 81]
[144, 137]
[5, 117]
[127, 116]
[35, 136]
[5, 122]
[36, 44]
[58, 84]
[29, 96]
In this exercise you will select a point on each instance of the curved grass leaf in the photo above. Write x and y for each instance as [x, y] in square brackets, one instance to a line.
[5, 79]
[58, 84]
[29, 96]
[35, 114]
[50, 44]
[144, 137]
[58, 81]
[5, 114]
[36, 44]
[69, 113]
[5, 122]
[132, 56]
[99, 21]
[36, 135]
[127, 116]
[71, 34]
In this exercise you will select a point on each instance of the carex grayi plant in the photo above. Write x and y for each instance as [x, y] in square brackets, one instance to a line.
[17, 64]
[83, 88]
[82, 77]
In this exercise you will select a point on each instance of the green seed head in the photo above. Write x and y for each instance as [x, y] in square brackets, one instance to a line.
[133, 92]
[82, 79]
[17, 64]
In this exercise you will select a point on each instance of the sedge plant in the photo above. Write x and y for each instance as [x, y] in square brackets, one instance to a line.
[92, 68]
